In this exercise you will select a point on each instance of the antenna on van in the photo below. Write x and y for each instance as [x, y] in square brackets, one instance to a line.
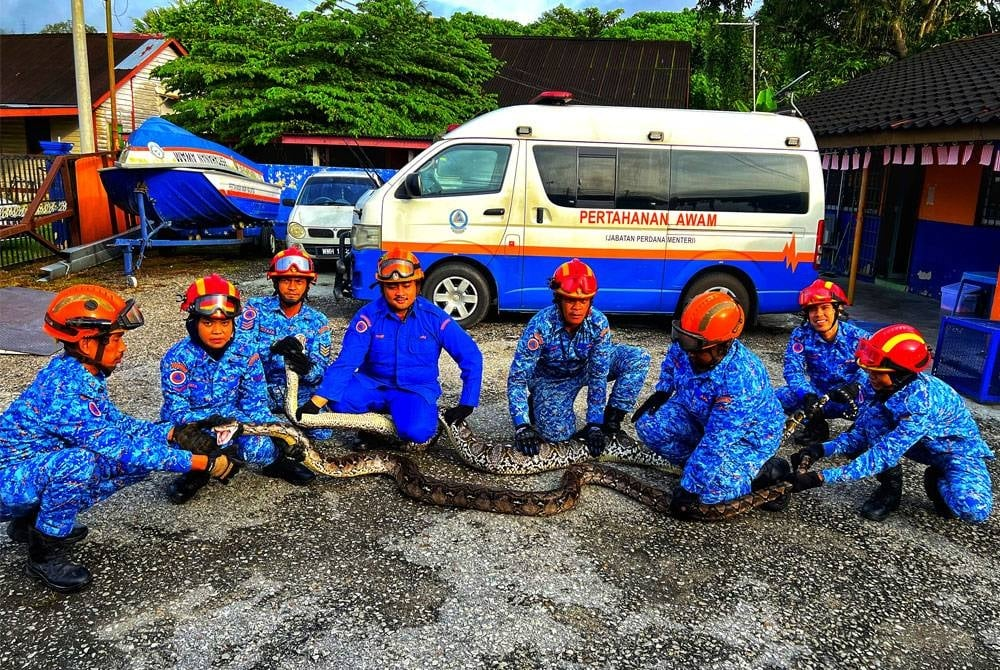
[791, 94]
[361, 156]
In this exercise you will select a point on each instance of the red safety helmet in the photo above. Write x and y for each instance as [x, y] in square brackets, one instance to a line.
[86, 310]
[292, 262]
[212, 294]
[397, 266]
[574, 279]
[710, 318]
[822, 292]
[895, 348]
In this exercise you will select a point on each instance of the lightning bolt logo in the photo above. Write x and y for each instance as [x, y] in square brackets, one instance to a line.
[791, 258]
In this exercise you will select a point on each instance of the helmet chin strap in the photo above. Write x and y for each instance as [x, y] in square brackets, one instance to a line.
[95, 360]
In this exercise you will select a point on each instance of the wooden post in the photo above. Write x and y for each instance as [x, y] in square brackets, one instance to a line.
[856, 249]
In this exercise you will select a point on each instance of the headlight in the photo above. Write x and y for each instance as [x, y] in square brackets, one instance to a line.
[366, 237]
[296, 230]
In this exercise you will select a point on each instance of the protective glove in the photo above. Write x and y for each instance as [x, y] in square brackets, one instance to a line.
[846, 394]
[810, 404]
[295, 359]
[191, 437]
[681, 503]
[801, 481]
[223, 465]
[309, 407]
[214, 420]
[810, 453]
[527, 440]
[457, 414]
[296, 451]
[596, 440]
[652, 404]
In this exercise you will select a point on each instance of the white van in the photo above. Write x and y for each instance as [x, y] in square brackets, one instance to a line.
[324, 211]
[662, 203]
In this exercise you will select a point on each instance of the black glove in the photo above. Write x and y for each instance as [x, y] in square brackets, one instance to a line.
[286, 346]
[812, 451]
[214, 420]
[457, 414]
[308, 408]
[527, 440]
[223, 464]
[810, 404]
[295, 358]
[296, 451]
[801, 481]
[593, 435]
[846, 394]
[682, 503]
[191, 437]
[653, 403]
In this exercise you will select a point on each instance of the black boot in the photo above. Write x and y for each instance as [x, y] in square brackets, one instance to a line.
[817, 429]
[289, 470]
[931, 478]
[885, 500]
[774, 470]
[47, 564]
[17, 530]
[184, 487]
[613, 418]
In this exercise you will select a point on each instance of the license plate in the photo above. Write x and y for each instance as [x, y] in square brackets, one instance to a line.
[329, 251]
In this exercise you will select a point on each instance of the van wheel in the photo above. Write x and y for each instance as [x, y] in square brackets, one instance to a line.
[461, 291]
[718, 281]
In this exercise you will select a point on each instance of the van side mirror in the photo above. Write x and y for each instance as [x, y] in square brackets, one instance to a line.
[288, 202]
[412, 185]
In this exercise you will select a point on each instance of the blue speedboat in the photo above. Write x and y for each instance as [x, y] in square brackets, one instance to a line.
[190, 184]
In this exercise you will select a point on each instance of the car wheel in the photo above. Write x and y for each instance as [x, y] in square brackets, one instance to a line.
[718, 281]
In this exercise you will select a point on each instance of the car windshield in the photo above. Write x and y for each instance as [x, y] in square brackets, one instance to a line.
[334, 190]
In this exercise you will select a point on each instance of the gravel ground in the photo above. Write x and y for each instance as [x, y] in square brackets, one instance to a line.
[351, 574]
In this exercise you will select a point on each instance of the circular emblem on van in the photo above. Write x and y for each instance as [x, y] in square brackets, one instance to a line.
[155, 149]
[458, 220]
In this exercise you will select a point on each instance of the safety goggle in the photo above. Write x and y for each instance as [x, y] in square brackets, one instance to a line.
[130, 317]
[577, 284]
[207, 305]
[397, 269]
[870, 357]
[689, 342]
[293, 263]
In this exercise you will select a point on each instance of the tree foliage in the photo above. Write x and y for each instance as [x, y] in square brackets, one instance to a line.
[561, 21]
[387, 68]
[65, 27]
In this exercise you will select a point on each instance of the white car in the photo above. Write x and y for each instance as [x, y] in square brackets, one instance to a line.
[324, 211]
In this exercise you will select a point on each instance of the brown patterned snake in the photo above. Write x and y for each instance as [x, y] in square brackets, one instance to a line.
[504, 458]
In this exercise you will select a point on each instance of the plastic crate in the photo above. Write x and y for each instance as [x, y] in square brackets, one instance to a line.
[967, 357]
[954, 302]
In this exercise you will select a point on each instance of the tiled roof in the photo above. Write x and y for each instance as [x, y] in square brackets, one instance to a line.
[37, 70]
[596, 71]
[957, 83]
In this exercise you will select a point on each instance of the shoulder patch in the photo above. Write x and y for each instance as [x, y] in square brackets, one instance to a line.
[798, 347]
[177, 378]
[324, 350]
[535, 341]
[94, 409]
[249, 316]
[361, 326]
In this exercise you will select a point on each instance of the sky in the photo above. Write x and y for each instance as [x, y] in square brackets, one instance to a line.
[29, 16]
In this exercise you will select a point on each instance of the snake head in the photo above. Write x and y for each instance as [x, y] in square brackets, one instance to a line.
[226, 433]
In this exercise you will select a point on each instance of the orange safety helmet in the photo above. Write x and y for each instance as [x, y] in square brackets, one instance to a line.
[710, 318]
[397, 266]
[212, 294]
[87, 310]
[822, 292]
[574, 279]
[292, 262]
[895, 348]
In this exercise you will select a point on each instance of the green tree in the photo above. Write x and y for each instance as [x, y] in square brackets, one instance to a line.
[475, 25]
[65, 27]
[561, 21]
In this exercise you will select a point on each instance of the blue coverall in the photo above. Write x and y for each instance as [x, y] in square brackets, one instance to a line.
[196, 386]
[928, 422]
[551, 366]
[813, 365]
[388, 364]
[64, 446]
[720, 425]
[264, 320]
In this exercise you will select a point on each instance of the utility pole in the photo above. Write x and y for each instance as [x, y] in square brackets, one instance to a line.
[84, 103]
[113, 126]
[752, 24]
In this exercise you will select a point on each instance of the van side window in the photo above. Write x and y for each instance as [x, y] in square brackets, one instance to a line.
[604, 177]
[729, 181]
[465, 169]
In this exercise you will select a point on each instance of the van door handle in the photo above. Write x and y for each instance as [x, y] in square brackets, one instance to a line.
[496, 211]
[540, 215]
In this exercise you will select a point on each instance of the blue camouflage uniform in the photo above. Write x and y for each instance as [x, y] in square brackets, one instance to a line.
[264, 320]
[64, 446]
[196, 386]
[388, 364]
[720, 425]
[550, 367]
[928, 422]
[813, 365]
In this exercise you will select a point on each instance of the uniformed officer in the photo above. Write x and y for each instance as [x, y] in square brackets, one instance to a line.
[281, 323]
[565, 347]
[389, 358]
[714, 412]
[64, 445]
[820, 360]
[912, 414]
[212, 372]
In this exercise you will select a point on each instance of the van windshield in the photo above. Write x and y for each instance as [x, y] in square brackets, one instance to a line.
[334, 190]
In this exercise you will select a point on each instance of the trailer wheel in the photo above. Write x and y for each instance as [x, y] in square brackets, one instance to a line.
[461, 291]
[718, 281]
[131, 281]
